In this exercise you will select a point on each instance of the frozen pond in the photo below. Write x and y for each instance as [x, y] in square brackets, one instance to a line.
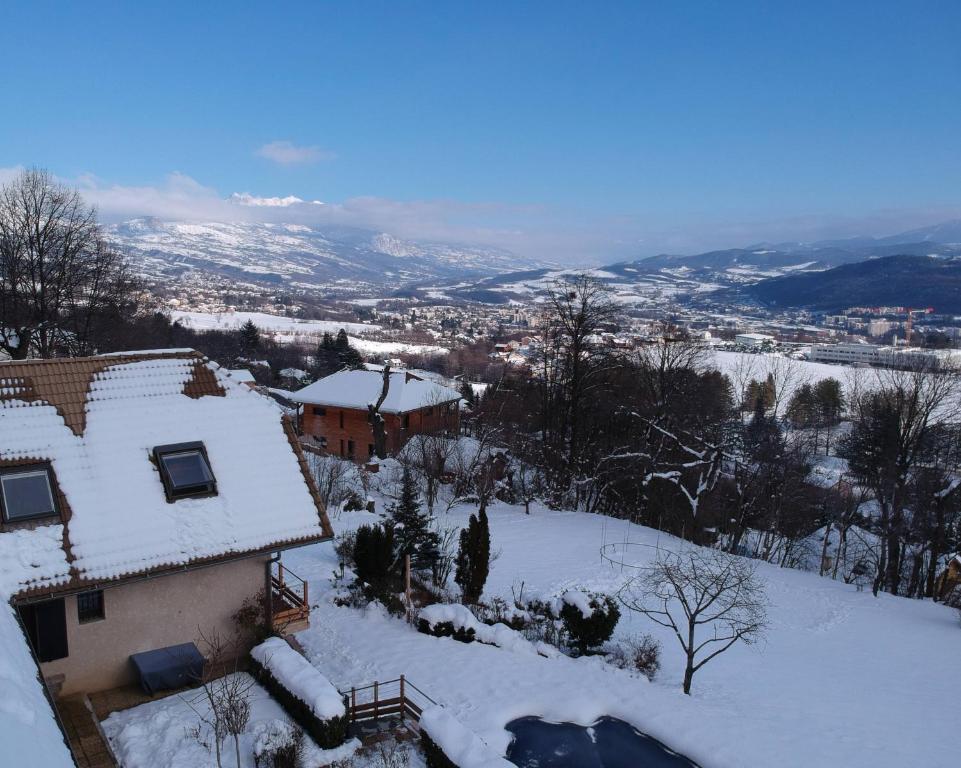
[608, 743]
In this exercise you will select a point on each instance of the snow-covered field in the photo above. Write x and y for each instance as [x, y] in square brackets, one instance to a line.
[293, 329]
[842, 679]
[371, 347]
[231, 321]
[741, 367]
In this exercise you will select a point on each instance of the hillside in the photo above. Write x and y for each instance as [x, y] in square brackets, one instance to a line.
[916, 281]
[298, 254]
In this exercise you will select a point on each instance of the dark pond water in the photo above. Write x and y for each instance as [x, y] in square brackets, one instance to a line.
[609, 743]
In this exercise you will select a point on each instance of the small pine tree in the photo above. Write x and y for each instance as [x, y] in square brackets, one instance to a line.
[249, 339]
[473, 558]
[343, 343]
[467, 392]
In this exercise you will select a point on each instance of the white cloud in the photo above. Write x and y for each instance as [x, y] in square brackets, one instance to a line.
[550, 234]
[245, 198]
[288, 153]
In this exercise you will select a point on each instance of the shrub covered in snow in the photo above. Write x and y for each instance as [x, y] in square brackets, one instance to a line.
[306, 695]
[452, 620]
[499, 611]
[455, 620]
[589, 619]
[637, 654]
[278, 744]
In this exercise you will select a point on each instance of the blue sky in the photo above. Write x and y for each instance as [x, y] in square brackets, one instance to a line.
[576, 131]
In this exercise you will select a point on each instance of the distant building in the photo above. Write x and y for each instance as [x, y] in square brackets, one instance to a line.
[753, 339]
[880, 327]
[850, 353]
[335, 411]
[854, 353]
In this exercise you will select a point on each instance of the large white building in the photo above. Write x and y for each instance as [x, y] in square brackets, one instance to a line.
[753, 339]
[854, 353]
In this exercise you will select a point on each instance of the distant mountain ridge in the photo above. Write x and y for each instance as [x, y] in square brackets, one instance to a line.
[722, 276]
[904, 280]
[295, 253]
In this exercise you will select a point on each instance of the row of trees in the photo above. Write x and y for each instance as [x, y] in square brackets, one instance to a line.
[659, 436]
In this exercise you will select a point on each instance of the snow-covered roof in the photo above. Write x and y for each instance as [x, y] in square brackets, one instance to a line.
[242, 375]
[357, 389]
[97, 420]
[28, 730]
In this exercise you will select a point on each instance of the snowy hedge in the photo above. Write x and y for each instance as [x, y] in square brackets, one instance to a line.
[448, 743]
[457, 621]
[306, 695]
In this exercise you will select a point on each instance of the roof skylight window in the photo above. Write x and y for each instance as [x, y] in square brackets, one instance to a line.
[26, 493]
[185, 471]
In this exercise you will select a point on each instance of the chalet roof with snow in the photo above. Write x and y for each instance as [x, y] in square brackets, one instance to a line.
[95, 424]
[357, 389]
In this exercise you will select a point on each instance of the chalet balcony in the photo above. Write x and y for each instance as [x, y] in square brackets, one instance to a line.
[289, 601]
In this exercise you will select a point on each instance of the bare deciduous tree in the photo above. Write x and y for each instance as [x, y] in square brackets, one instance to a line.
[59, 278]
[376, 420]
[709, 599]
[224, 693]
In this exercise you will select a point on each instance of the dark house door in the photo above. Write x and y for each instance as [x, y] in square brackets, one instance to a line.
[46, 625]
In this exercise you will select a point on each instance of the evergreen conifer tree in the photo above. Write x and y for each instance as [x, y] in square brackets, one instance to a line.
[473, 558]
[412, 531]
[249, 339]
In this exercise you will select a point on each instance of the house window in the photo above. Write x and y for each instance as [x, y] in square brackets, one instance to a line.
[370, 450]
[342, 448]
[341, 419]
[90, 606]
[185, 471]
[322, 440]
[350, 448]
[46, 627]
[319, 410]
[26, 493]
[405, 421]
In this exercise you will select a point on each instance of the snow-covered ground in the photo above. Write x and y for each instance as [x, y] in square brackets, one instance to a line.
[290, 329]
[231, 321]
[158, 734]
[842, 678]
[371, 347]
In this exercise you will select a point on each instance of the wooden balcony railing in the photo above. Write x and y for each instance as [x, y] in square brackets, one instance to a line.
[289, 599]
[398, 698]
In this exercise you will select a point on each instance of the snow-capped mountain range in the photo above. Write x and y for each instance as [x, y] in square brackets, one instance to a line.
[298, 254]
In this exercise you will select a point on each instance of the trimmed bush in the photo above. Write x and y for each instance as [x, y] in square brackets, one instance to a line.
[374, 554]
[328, 732]
[589, 619]
[434, 754]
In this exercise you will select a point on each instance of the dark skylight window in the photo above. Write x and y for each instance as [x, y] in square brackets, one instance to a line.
[26, 493]
[185, 471]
